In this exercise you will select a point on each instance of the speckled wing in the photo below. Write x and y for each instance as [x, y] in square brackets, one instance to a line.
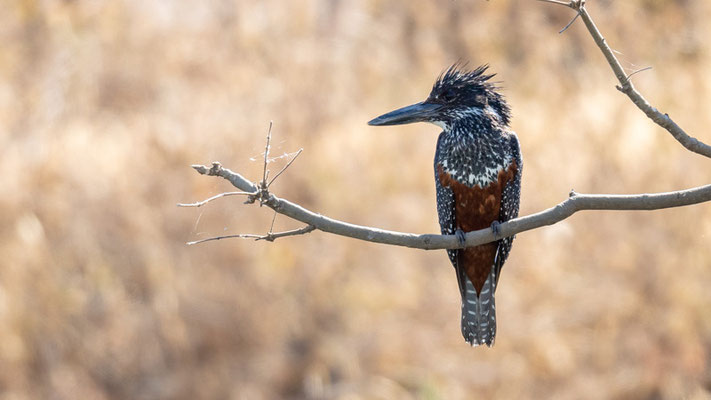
[446, 213]
[510, 198]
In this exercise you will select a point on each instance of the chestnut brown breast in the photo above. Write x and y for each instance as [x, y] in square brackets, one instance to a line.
[476, 208]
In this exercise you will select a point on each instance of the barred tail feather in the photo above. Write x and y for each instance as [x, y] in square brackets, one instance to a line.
[479, 312]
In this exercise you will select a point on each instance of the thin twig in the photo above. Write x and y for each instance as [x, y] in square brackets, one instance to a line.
[636, 72]
[266, 156]
[215, 197]
[285, 167]
[271, 228]
[240, 236]
[562, 3]
[270, 237]
[569, 23]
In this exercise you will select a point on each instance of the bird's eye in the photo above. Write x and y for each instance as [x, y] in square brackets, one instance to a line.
[448, 95]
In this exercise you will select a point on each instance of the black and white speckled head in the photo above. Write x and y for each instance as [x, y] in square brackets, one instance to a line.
[458, 94]
[461, 92]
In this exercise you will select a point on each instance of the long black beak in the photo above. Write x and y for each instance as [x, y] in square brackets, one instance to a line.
[415, 113]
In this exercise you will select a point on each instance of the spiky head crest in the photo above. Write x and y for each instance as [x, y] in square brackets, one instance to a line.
[458, 89]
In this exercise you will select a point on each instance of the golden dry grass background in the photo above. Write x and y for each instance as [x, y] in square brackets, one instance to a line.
[104, 105]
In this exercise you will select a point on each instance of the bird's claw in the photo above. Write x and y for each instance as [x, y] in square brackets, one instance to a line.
[461, 237]
[495, 228]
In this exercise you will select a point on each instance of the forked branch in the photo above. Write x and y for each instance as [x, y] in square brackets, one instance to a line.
[627, 87]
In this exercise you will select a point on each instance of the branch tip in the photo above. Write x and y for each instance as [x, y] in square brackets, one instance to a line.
[562, 3]
[636, 72]
[201, 169]
[215, 169]
[285, 167]
[215, 197]
[569, 23]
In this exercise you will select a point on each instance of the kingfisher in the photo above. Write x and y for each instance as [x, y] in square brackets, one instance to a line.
[477, 168]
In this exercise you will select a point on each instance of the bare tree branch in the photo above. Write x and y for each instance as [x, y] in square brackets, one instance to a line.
[626, 86]
[576, 202]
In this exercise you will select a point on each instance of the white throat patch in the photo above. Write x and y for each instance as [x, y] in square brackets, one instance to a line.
[441, 124]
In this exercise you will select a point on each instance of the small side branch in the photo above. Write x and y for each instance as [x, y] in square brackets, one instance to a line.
[575, 202]
[565, 28]
[269, 237]
[215, 197]
[288, 164]
[266, 156]
[562, 3]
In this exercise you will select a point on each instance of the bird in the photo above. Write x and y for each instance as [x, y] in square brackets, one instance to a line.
[477, 168]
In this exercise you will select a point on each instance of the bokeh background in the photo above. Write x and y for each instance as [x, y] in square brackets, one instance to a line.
[105, 104]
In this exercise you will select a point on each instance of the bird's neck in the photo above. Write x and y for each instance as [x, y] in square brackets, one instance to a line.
[472, 134]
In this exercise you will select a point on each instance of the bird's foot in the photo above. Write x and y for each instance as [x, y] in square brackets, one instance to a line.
[461, 236]
[495, 228]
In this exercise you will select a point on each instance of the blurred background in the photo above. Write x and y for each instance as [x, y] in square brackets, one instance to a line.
[105, 104]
